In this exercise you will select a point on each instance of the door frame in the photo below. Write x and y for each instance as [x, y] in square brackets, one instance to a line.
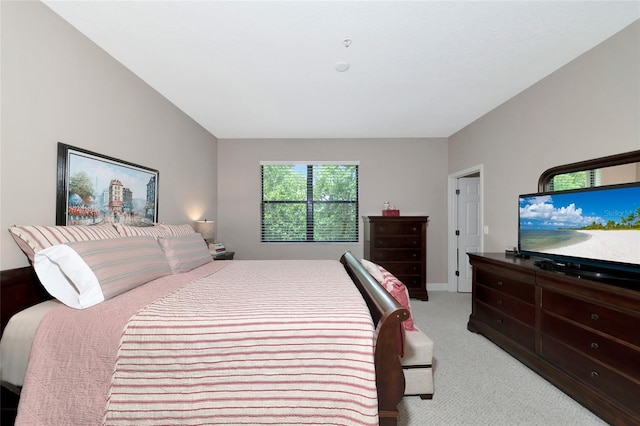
[453, 212]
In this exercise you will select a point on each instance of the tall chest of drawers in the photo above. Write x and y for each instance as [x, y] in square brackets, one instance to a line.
[399, 244]
[581, 335]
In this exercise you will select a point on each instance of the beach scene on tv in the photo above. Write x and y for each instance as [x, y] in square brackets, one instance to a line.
[602, 224]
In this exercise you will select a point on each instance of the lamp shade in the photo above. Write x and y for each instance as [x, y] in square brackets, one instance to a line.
[205, 228]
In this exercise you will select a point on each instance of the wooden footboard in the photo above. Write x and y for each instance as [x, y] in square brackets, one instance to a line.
[387, 315]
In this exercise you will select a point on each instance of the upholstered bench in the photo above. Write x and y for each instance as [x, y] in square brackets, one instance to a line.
[418, 348]
[417, 364]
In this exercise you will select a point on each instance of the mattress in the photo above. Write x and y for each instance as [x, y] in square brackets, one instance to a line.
[15, 345]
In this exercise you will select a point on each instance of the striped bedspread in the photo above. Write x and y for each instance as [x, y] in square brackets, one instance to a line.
[258, 342]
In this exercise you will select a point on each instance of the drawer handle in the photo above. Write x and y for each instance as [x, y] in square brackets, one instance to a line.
[595, 374]
[415, 255]
[414, 229]
[499, 282]
[500, 321]
[595, 317]
[499, 302]
[594, 345]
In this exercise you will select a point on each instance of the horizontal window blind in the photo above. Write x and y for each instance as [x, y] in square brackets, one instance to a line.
[309, 202]
[575, 180]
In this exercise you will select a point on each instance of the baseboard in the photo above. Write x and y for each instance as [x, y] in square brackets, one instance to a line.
[437, 287]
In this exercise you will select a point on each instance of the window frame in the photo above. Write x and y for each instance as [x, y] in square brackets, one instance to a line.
[544, 182]
[309, 201]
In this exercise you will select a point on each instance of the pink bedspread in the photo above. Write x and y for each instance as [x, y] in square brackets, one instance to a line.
[257, 342]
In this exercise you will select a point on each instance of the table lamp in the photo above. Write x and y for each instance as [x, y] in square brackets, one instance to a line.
[206, 228]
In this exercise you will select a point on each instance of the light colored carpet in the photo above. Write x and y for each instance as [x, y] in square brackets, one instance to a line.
[476, 382]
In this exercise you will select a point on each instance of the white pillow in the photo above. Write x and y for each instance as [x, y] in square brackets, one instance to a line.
[82, 274]
[67, 277]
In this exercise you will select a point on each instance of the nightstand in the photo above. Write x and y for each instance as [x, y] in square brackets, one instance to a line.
[227, 255]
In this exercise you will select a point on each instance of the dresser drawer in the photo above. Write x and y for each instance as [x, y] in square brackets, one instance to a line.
[610, 321]
[513, 287]
[403, 268]
[385, 255]
[594, 374]
[398, 228]
[398, 242]
[411, 281]
[506, 324]
[507, 304]
[610, 352]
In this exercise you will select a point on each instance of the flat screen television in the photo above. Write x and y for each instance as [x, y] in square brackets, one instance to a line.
[593, 232]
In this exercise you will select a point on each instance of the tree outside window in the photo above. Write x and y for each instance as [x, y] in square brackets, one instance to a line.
[575, 180]
[309, 202]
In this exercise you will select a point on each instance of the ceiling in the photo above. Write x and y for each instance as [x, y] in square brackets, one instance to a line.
[266, 69]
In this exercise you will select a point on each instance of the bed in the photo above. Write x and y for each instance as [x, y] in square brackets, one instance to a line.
[149, 349]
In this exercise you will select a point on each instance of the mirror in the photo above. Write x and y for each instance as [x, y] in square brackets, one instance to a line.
[611, 170]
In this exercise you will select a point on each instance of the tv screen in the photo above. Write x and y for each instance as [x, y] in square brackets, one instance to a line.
[599, 226]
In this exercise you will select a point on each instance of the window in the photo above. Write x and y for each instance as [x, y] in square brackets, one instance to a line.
[601, 166]
[575, 180]
[309, 202]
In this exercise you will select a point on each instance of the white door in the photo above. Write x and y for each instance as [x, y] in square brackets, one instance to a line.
[468, 228]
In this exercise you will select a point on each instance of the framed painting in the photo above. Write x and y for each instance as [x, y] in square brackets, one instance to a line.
[94, 188]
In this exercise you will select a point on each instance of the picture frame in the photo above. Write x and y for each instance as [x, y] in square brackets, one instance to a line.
[94, 189]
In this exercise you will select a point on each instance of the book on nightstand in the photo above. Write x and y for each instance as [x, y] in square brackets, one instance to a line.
[217, 249]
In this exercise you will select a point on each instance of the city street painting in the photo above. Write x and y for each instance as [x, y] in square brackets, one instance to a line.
[96, 189]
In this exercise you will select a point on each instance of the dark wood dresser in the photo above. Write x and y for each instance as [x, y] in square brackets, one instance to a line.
[399, 244]
[581, 335]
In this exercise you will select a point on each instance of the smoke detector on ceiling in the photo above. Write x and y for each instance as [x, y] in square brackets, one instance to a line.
[342, 66]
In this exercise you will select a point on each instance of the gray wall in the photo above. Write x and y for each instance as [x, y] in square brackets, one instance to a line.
[409, 173]
[589, 108]
[57, 86]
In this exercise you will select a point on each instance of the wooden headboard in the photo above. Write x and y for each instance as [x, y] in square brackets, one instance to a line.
[19, 289]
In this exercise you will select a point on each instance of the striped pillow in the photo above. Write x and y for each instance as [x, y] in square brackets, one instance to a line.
[185, 252]
[82, 274]
[177, 230]
[123, 264]
[137, 231]
[32, 239]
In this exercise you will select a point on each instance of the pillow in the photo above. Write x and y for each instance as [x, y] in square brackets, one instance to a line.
[373, 270]
[394, 286]
[137, 231]
[185, 252]
[399, 291]
[32, 239]
[67, 277]
[177, 230]
[82, 274]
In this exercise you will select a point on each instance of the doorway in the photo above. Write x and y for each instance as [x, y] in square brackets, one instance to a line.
[465, 225]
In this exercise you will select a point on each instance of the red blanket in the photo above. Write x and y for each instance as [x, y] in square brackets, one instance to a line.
[271, 342]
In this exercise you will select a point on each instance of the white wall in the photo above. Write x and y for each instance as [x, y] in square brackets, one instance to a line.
[410, 173]
[589, 108]
[57, 86]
